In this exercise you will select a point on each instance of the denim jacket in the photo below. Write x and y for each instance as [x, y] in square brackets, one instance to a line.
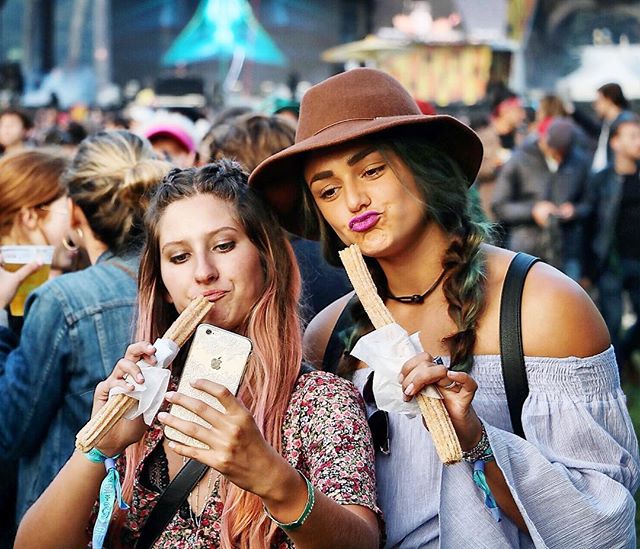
[76, 328]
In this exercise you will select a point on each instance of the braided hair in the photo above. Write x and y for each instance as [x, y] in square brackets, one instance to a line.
[447, 202]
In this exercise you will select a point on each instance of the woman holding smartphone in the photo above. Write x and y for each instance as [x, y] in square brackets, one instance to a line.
[373, 171]
[292, 451]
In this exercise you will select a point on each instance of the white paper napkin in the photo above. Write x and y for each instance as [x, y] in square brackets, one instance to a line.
[386, 350]
[150, 394]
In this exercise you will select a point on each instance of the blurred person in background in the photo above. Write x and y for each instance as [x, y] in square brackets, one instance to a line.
[77, 325]
[615, 195]
[67, 138]
[249, 139]
[498, 136]
[287, 108]
[611, 106]
[541, 197]
[228, 113]
[14, 130]
[172, 136]
[552, 106]
[32, 211]
[116, 120]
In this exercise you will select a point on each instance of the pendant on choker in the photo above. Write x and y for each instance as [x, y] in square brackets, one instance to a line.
[417, 299]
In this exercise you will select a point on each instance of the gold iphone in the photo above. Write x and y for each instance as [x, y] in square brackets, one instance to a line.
[216, 355]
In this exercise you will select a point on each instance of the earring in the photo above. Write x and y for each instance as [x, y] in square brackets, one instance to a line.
[69, 245]
[80, 233]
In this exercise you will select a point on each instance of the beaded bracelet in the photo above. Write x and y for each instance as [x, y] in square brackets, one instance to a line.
[479, 455]
[311, 499]
[481, 451]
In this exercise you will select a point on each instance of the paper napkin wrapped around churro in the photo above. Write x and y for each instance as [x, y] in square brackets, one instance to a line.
[150, 394]
[429, 401]
[386, 349]
[121, 405]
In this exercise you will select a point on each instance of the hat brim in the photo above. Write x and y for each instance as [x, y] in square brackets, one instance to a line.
[279, 177]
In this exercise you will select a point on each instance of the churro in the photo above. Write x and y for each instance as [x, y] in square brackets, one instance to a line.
[433, 411]
[118, 405]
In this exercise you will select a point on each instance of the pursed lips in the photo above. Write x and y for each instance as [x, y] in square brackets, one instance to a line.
[214, 295]
[365, 221]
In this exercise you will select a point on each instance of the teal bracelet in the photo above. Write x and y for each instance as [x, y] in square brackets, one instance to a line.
[110, 495]
[96, 456]
[311, 499]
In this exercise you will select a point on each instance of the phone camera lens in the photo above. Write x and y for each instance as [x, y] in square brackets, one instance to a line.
[209, 332]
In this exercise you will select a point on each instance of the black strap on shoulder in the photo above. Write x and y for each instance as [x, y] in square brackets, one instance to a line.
[511, 352]
[170, 501]
[335, 347]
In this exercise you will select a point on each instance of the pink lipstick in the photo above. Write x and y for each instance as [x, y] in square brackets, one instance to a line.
[365, 221]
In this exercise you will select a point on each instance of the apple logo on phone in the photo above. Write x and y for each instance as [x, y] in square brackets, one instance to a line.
[216, 363]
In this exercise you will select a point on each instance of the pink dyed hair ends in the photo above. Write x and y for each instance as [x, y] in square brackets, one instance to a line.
[274, 327]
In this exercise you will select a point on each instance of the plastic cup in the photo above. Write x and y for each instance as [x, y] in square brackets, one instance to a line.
[14, 257]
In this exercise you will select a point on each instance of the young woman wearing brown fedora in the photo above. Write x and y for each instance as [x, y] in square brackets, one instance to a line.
[368, 168]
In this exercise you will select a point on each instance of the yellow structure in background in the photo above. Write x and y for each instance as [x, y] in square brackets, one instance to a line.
[443, 74]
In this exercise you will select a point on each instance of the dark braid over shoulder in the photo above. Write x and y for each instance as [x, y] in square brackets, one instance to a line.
[464, 289]
[449, 202]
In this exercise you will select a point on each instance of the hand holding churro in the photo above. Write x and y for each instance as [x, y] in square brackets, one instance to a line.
[118, 405]
[433, 410]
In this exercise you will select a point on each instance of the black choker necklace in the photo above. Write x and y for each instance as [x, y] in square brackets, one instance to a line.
[417, 299]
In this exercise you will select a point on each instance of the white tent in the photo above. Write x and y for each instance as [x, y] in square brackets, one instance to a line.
[600, 65]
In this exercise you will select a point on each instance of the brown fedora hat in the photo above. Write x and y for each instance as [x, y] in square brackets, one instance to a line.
[346, 107]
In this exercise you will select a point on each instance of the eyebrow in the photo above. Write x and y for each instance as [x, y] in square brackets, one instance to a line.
[351, 161]
[360, 155]
[209, 235]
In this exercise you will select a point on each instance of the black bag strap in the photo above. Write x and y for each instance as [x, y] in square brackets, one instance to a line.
[514, 373]
[335, 347]
[170, 501]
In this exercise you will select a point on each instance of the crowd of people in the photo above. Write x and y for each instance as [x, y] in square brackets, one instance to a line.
[251, 210]
[567, 189]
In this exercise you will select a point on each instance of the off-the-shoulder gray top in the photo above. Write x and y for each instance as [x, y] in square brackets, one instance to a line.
[573, 478]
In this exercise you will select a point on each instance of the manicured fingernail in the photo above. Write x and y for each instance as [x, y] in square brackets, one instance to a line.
[409, 390]
[169, 395]
[140, 378]
[172, 444]
[400, 378]
[162, 416]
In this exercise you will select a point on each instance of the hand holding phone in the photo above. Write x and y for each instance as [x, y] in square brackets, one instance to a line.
[217, 355]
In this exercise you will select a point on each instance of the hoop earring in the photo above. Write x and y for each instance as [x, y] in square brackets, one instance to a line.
[69, 245]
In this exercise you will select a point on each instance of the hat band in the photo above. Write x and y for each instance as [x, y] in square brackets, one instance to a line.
[342, 122]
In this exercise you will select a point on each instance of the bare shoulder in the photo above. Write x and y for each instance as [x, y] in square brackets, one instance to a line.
[559, 319]
[318, 332]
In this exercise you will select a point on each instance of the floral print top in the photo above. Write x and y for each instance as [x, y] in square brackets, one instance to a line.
[325, 435]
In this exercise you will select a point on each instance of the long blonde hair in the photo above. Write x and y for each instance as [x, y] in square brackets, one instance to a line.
[110, 178]
[272, 324]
